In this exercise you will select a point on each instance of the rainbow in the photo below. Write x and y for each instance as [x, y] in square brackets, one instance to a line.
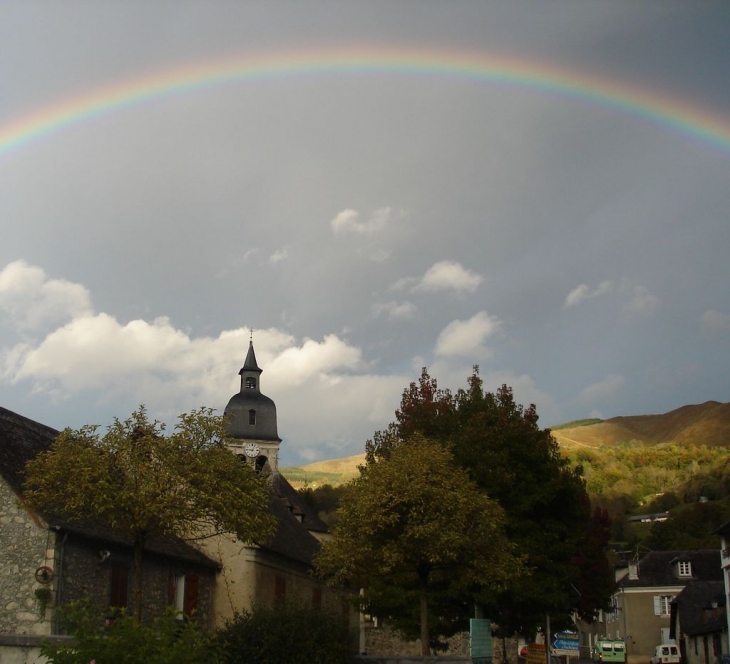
[675, 114]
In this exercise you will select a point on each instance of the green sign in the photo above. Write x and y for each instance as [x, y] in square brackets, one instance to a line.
[480, 640]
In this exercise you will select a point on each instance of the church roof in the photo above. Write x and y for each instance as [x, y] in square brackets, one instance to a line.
[250, 363]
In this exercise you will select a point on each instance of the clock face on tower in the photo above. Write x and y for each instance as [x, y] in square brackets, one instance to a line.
[251, 450]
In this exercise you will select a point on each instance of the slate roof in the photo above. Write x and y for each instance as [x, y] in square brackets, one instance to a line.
[22, 439]
[296, 519]
[657, 568]
[695, 609]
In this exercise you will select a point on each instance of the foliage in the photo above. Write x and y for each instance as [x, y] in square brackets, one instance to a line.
[143, 484]
[165, 640]
[690, 527]
[414, 522]
[295, 635]
[519, 465]
[325, 500]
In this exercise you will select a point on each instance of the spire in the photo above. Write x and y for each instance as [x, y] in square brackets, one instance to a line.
[250, 363]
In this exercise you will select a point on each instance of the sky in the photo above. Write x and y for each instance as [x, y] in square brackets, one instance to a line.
[538, 188]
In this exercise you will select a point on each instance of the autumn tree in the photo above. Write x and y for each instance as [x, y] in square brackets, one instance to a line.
[512, 460]
[414, 521]
[144, 484]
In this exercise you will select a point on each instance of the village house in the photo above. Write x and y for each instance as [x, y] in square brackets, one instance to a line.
[698, 622]
[642, 603]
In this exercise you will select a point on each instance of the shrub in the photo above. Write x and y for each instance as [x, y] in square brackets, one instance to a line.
[165, 640]
[294, 635]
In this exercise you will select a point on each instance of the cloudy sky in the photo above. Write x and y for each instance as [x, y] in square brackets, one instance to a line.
[539, 188]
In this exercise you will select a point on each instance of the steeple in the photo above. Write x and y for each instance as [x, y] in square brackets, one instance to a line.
[250, 371]
[251, 418]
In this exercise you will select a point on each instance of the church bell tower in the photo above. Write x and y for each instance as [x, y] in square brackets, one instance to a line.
[251, 419]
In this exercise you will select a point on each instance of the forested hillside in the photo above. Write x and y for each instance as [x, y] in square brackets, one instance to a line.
[677, 462]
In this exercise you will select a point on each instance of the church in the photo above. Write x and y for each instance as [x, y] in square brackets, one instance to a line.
[280, 570]
[46, 562]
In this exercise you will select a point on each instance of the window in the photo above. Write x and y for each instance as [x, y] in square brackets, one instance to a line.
[684, 568]
[250, 383]
[252, 416]
[661, 604]
[184, 593]
[119, 586]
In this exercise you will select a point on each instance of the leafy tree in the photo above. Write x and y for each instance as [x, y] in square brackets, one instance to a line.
[519, 465]
[415, 521]
[689, 526]
[291, 634]
[144, 484]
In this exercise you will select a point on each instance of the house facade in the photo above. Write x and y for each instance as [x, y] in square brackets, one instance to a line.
[699, 622]
[46, 562]
[642, 603]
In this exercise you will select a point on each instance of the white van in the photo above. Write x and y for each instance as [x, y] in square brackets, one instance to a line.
[667, 654]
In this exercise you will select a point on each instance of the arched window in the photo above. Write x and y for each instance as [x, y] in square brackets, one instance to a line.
[250, 383]
[252, 416]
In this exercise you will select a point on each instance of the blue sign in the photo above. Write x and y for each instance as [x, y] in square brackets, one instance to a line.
[567, 641]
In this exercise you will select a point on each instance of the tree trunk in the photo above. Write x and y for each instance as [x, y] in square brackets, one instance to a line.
[425, 635]
[137, 593]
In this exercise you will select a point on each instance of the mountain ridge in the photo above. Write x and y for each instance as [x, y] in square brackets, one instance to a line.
[707, 424]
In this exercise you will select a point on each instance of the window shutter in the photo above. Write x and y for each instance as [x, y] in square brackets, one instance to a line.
[119, 585]
[191, 594]
[657, 605]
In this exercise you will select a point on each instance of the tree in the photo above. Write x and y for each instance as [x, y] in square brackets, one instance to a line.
[414, 520]
[144, 484]
[519, 465]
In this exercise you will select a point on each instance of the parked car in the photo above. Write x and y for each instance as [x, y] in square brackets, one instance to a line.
[610, 650]
[667, 653]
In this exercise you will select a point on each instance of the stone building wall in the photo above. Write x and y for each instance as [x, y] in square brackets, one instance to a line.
[87, 574]
[26, 544]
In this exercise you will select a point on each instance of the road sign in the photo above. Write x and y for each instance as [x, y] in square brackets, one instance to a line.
[480, 637]
[567, 643]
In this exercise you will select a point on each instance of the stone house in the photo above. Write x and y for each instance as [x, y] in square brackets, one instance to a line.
[643, 599]
[699, 622]
[46, 561]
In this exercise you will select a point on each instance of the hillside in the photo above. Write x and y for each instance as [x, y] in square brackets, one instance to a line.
[700, 424]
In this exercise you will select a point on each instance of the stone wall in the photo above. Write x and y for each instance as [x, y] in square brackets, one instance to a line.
[87, 574]
[25, 545]
[383, 642]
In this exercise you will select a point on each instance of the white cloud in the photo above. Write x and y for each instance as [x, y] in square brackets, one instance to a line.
[449, 275]
[30, 300]
[441, 276]
[279, 255]
[715, 320]
[348, 221]
[395, 310]
[640, 302]
[604, 389]
[466, 338]
[583, 292]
